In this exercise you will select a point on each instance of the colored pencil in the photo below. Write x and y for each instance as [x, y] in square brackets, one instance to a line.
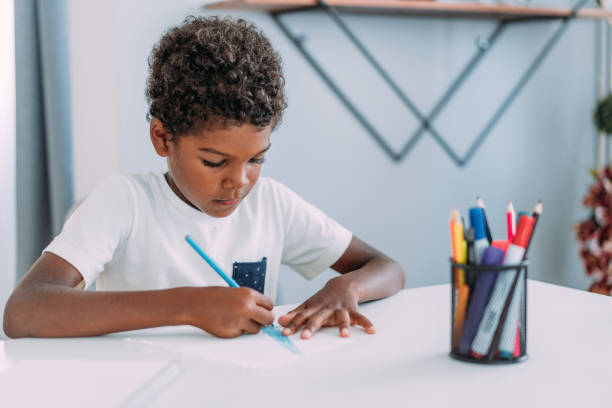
[480, 204]
[454, 215]
[212, 263]
[463, 294]
[537, 211]
[510, 221]
[459, 245]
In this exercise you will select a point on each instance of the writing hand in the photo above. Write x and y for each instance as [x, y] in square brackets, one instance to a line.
[228, 312]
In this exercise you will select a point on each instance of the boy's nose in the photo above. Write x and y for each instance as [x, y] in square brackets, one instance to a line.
[237, 178]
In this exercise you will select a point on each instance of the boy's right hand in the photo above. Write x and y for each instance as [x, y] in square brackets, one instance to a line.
[228, 312]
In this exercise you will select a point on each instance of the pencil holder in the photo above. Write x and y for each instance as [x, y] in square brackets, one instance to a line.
[489, 312]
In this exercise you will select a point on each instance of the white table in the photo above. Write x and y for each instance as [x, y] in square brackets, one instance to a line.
[405, 364]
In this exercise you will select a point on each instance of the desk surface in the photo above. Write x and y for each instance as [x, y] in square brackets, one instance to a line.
[406, 362]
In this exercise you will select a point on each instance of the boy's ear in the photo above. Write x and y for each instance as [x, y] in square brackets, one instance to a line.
[159, 137]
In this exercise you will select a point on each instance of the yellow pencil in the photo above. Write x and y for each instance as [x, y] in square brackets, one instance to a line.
[463, 293]
[454, 247]
[459, 244]
[462, 259]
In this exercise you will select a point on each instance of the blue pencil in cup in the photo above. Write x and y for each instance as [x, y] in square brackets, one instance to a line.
[270, 330]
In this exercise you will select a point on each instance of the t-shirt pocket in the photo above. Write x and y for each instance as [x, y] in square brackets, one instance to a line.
[251, 274]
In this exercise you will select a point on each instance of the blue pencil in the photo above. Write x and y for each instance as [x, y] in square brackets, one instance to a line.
[270, 330]
[212, 263]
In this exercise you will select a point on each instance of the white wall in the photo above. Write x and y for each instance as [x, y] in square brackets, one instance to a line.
[7, 153]
[541, 148]
[93, 93]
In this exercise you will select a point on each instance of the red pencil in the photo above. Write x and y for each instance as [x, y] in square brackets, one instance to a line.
[511, 221]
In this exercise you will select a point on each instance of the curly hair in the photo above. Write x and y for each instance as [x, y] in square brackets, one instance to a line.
[214, 72]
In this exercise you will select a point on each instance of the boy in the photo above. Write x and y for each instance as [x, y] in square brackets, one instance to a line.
[215, 94]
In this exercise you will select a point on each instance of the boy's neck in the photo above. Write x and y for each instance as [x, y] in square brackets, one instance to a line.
[176, 190]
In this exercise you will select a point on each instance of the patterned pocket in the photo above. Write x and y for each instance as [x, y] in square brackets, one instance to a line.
[251, 274]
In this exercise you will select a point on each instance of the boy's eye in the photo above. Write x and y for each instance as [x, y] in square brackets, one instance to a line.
[213, 164]
[260, 160]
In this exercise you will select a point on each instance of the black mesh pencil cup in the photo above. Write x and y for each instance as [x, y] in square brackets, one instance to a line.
[489, 311]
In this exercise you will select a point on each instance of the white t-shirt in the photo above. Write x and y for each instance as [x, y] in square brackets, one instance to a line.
[129, 234]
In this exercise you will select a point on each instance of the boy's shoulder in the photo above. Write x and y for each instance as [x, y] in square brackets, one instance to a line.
[272, 197]
[126, 188]
[146, 181]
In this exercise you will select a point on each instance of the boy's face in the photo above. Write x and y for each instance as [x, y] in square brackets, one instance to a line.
[213, 170]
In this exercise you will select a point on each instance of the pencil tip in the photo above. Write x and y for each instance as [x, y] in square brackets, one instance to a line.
[455, 216]
[538, 208]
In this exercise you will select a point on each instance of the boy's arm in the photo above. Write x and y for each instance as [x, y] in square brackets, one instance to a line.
[46, 304]
[366, 274]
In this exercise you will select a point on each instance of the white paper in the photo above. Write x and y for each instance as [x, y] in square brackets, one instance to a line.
[257, 351]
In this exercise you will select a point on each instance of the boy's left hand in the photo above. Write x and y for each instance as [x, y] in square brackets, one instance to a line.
[334, 305]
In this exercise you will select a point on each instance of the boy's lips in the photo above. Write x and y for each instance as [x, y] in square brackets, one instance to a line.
[227, 202]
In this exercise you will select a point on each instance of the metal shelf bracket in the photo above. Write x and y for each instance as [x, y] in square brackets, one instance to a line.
[483, 47]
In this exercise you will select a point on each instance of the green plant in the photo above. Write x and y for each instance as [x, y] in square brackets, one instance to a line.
[603, 115]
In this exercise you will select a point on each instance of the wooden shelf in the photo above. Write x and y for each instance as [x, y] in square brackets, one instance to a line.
[418, 8]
